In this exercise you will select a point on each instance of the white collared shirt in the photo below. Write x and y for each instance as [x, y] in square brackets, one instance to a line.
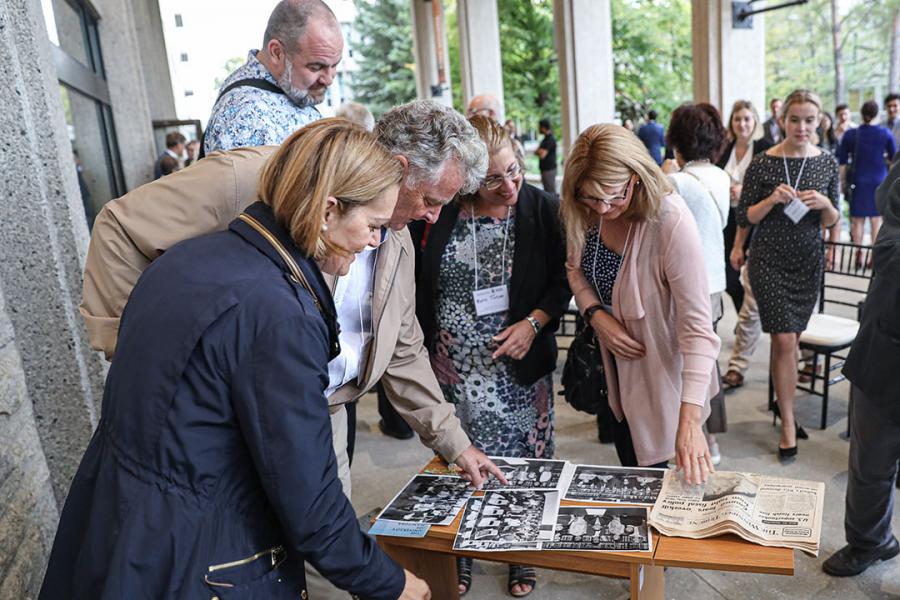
[353, 296]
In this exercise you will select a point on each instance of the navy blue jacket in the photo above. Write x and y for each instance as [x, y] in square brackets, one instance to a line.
[215, 440]
[654, 137]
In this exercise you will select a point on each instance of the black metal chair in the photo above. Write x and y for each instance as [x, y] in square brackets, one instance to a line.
[830, 335]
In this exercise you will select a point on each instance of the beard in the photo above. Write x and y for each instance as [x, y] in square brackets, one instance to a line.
[299, 96]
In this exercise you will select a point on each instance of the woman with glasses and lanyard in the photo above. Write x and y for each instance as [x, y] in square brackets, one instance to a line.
[490, 291]
[636, 268]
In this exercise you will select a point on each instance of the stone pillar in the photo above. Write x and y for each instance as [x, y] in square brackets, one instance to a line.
[729, 63]
[481, 69]
[430, 44]
[583, 32]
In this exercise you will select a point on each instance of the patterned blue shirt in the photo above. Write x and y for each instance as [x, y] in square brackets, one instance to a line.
[249, 116]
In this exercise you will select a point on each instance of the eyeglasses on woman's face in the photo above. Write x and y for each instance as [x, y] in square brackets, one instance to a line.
[610, 201]
[495, 182]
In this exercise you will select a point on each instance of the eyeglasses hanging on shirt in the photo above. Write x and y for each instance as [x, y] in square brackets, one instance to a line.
[494, 299]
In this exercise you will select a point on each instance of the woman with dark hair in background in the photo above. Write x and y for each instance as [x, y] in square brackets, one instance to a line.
[864, 155]
[696, 136]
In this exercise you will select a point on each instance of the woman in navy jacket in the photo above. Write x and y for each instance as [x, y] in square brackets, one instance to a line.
[494, 358]
[211, 473]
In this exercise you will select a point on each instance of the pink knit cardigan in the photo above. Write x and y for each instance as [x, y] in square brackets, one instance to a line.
[661, 297]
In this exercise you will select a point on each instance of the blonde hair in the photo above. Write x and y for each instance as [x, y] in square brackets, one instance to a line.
[745, 105]
[495, 138]
[800, 97]
[608, 155]
[327, 158]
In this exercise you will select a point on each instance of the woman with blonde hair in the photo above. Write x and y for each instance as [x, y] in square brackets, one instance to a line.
[789, 193]
[635, 266]
[490, 291]
[211, 473]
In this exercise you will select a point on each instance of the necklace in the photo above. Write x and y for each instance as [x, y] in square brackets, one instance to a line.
[699, 161]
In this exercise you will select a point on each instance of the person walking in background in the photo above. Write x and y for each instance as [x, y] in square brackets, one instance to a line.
[892, 116]
[844, 122]
[546, 152]
[772, 131]
[746, 142]
[827, 140]
[495, 360]
[789, 192]
[864, 155]
[635, 264]
[172, 158]
[654, 137]
[275, 92]
[193, 152]
[486, 105]
[696, 136]
[356, 112]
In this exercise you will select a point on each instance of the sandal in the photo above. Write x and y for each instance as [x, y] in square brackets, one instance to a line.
[522, 576]
[464, 574]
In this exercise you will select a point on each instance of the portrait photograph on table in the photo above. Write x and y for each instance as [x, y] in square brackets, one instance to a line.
[607, 529]
[508, 520]
[531, 474]
[429, 499]
[615, 484]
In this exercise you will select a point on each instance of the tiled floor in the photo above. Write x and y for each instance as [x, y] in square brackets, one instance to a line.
[382, 465]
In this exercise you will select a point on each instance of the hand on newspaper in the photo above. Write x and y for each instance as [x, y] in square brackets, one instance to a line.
[691, 451]
[415, 588]
[477, 466]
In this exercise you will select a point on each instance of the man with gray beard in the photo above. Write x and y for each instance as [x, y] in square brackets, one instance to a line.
[275, 92]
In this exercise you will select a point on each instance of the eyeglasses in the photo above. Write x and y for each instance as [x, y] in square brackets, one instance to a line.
[494, 182]
[484, 112]
[617, 200]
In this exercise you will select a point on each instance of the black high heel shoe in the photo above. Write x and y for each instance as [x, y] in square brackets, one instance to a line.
[801, 433]
[786, 454]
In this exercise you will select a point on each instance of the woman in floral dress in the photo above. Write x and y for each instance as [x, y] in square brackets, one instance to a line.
[490, 291]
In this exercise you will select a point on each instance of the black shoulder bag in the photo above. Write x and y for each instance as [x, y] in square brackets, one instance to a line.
[262, 84]
[583, 376]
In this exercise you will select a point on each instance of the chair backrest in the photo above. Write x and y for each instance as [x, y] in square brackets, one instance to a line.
[845, 281]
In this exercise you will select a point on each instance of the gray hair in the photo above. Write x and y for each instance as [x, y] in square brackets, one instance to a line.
[289, 19]
[429, 134]
[356, 112]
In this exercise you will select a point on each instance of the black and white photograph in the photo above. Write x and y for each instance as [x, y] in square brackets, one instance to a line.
[508, 520]
[727, 483]
[615, 484]
[429, 499]
[608, 529]
[530, 474]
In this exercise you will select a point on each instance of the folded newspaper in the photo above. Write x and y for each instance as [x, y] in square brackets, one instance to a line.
[764, 510]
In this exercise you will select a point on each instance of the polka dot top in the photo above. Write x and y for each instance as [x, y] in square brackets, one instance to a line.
[600, 265]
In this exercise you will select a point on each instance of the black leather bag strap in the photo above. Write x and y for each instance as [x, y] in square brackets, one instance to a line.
[255, 82]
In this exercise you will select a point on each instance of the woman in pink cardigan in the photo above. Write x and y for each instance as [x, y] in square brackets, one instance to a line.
[635, 266]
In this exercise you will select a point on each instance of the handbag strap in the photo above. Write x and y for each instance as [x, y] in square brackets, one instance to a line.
[296, 274]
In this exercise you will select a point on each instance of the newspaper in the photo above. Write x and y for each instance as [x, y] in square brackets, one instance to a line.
[770, 511]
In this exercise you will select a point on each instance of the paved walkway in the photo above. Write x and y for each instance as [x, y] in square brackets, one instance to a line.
[382, 465]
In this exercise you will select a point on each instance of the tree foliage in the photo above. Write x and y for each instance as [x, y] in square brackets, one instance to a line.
[231, 65]
[385, 77]
[651, 56]
[800, 50]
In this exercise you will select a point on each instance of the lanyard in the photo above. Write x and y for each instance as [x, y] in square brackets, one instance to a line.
[475, 246]
[597, 255]
[787, 175]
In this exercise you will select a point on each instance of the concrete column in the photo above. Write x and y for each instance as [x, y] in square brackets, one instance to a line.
[430, 51]
[583, 32]
[481, 69]
[729, 63]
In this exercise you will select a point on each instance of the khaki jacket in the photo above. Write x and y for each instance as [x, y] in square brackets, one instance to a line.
[132, 231]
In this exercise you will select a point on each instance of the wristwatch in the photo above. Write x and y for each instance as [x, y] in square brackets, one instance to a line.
[588, 313]
[535, 324]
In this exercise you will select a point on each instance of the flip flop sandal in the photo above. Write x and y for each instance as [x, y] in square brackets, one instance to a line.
[464, 573]
[521, 575]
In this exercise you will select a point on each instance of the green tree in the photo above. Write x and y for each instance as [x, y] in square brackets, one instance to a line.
[228, 68]
[651, 56]
[385, 77]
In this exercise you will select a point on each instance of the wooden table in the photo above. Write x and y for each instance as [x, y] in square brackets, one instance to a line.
[433, 559]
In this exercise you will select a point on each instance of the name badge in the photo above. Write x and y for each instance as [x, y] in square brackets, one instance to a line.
[795, 210]
[491, 300]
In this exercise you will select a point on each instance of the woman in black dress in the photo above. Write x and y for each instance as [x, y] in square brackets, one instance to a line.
[789, 192]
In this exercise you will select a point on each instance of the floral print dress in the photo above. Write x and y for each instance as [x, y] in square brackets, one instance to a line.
[500, 416]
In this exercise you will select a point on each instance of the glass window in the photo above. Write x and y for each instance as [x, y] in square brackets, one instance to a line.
[178, 21]
[184, 57]
[188, 92]
[71, 31]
